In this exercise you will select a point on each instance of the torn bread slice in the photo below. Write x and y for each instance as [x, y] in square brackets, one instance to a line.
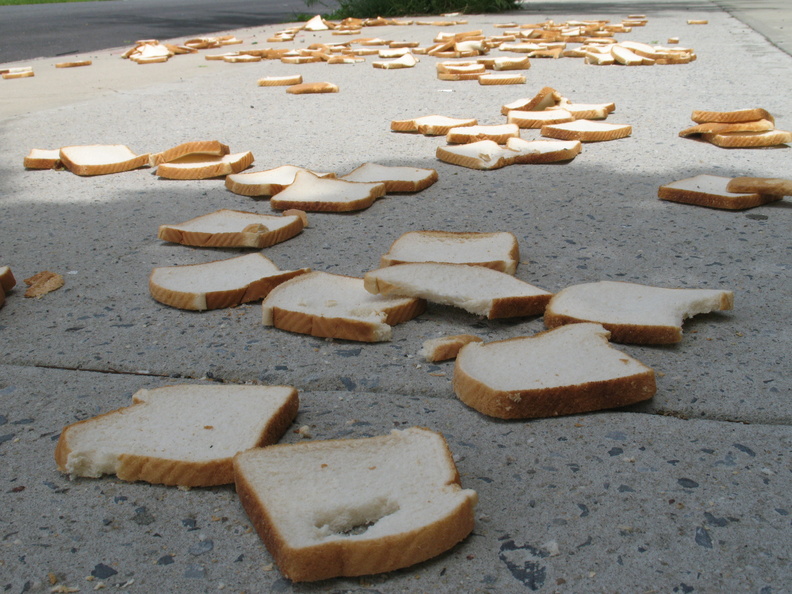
[266, 183]
[218, 284]
[496, 133]
[312, 193]
[484, 154]
[633, 313]
[234, 228]
[749, 139]
[587, 131]
[353, 507]
[101, 159]
[184, 435]
[764, 185]
[712, 191]
[445, 347]
[196, 147]
[537, 119]
[336, 306]
[546, 97]
[43, 159]
[476, 289]
[198, 166]
[497, 250]
[432, 125]
[568, 370]
[701, 116]
[396, 179]
[535, 152]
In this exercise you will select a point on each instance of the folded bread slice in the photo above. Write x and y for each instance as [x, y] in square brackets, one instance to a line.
[184, 435]
[633, 313]
[497, 250]
[101, 159]
[354, 507]
[546, 97]
[712, 191]
[476, 289]
[204, 166]
[568, 370]
[336, 306]
[396, 179]
[234, 228]
[266, 183]
[218, 284]
[312, 193]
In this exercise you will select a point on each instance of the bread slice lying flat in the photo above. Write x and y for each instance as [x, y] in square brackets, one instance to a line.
[266, 183]
[587, 131]
[43, 159]
[569, 370]
[586, 111]
[196, 147]
[432, 125]
[536, 152]
[701, 116]
[184, 435]
[484, 154]
[280, 81]
[357, 506]
[721, 128]
[203, 166]
[497, 250]
[218, 284]
[336, 306]
[749, 139]
[764, 185]
[634, 313]
[101, 159]
[712, 191]
[396, 179]
[312, 193]
[476, 289]
[234, 228]
[312, 88]
[537, 119]
[499, 133]
[446, 347]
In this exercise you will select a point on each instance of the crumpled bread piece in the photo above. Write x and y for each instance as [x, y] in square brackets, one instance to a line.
[312, 193]
[101, 159]
[712, 191]
[42, 283]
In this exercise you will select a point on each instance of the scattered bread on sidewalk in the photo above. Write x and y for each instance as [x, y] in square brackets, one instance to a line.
[568, 370]
[101, 159]
[773, 186]
[587, 131]
[204, 166]
[42, 283]
[445, 347]
[218, 284]
[312, 193]
[266, 183]
[43, 159]
[185, 435]
[355, 507]
[396, 179]
[336, 306]
[712, 191]
[633, 313]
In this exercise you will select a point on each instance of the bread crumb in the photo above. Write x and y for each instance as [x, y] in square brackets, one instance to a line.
[42, 283]
[304, 432]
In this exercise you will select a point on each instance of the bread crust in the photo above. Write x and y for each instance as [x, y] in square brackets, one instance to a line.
[562, 132]
[206, 147]
[622, 333]
[764, 185]
[701, 116]
[68, 156]
[252, 238]
[715, 201]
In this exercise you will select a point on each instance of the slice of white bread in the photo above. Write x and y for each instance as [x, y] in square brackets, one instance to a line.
[101, 159]
[749, 139]
[477, 289]
[266, 183]
[568, 370]
[196, 147]
[234, 228]
[546, 97]
[432, 125]
[701, 116]
[405, 61]
[355, 506]
[312, 88]
[396, 179]
[498, 133]
[633, 313]
[198, 166]
[7, 282]
[504, 78]
[764, 185]
[497, 250]
[280, 81]
[218, 284]
[312, 193]
[587, 131]
[43, 159]
[535, 152]
[484, 154]
[336, 306]
[712, 191]
[586, 111]
[721, 127]
[537, 119]
[445, 347]
[184, 435]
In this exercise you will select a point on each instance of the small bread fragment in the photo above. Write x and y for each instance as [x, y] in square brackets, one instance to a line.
[586, 111]
[312, 193]
[74, 64]
[311, 88]
[535, 152]
[20, 72]
[445, 347]
[353, 507]
[712, 191]
[7, 282]
[749, 139]
[763, 185]
[396, 179]
[233, 228]
[633, 313]
[587, 131]
[701, 116]
[184, 435]
[43, 159]
[196, 147]
[202, 166]
[497, 133]
[537, 119]
[568, 370]
[101, 159]
[484, 154]
[336, 306]
[432, 125]
[476, 289]
[280, 81]
[497, 250]
[42, 283]
[218, 284]
[722, 127]
[266, 183]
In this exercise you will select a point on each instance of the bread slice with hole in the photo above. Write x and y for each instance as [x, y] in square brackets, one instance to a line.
[568, 370]
[712, 191]
[476, 289]
[634, 313]
[185, 435]
[218, 284]
[396, 179]
[266, 183]
[234, 228]
[497, 250]
[101, 159]
[354, 507]
[312, 193]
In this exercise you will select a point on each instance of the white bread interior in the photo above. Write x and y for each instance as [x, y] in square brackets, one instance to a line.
[396, 179]
[310, 192]
[266, 183]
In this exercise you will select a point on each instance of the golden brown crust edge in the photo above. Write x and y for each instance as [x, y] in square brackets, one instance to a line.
[105, 169]
[712, 201]
[622, 333]
[240, 239]
[513, 307]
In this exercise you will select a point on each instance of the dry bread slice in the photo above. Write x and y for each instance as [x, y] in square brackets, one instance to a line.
[701, 116]
[405, 61]
[432, 125]
[712, 191]
[497, 133]
[502, 79]
[201, 166]
[721, 127]
[569, 370]
[749, 139]
[634, 313]
[355, 506]
[280, 81]
[534, 152]
[497, 250]
[537, 119]
[312, 88]
[586, 111]
[266, 183]
[477, 289]
[396, 179]
[42, 283]
[43, 159]
[764, 185]
[196, 147]
[445, 347]
[312, 193]
[587, 131]
[218, 284]
[101, 159]
[336, 306]
[484, 154]
[234, 228]
[184, 435]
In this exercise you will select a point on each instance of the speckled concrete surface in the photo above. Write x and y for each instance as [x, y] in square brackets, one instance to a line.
[688, 490]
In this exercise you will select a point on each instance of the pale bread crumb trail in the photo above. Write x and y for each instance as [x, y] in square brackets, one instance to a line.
[42, 283]
[445, 347]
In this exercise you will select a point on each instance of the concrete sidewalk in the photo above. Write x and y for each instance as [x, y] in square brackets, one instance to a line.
[688, 492]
